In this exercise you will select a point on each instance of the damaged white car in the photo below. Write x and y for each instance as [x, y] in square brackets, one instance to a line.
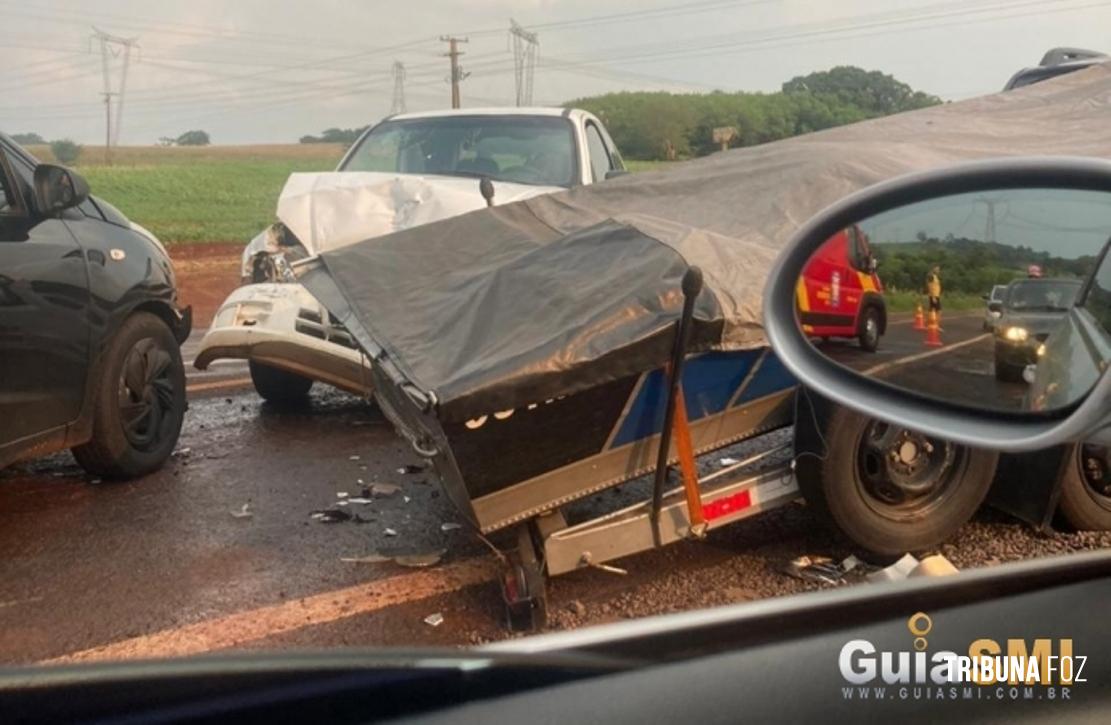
[406, 171]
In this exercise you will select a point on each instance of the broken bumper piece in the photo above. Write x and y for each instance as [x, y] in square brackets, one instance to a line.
[283, 326]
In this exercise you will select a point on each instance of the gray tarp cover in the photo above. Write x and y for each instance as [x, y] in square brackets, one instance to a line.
[520, 303]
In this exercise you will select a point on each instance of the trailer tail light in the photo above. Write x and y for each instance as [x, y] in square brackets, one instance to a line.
[728, 505]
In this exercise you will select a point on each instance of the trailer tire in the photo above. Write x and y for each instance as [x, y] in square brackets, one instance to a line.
[1086, 489]
[858, 491]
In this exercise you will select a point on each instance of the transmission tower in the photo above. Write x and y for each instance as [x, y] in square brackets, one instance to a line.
[989, 225]
[113, 46]
[525, 45]
[398, 105]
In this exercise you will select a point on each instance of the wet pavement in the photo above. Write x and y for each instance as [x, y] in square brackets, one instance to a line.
[164, 566]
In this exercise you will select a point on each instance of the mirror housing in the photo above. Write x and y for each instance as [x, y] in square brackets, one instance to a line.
[1002, 430]
[58, 188]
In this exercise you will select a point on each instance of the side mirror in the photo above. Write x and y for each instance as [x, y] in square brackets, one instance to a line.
[614, 173]
[1038, 378]
[58, 188]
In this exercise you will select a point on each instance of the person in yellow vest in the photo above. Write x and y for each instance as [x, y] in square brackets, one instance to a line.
[933, 290]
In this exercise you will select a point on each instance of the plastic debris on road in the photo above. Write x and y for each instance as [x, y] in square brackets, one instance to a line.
[450, 526]
[434, 620]
[390, 532]
[181, 452]
[244, 512]
[410, 469]
[815, 568]
[360, 500]
[341, 494]
[384, 490]
[352, 458]
[330, 516]
[729, 461]
[909, 567]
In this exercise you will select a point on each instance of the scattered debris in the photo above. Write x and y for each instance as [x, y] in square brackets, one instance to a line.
[406, 499]
[352, 458]
[450, 526]
[390, 532]
[342, 503]
[410, 468]
[814, 568]
[850, 563]
[330, 516]
[410, 559]
[729, 461]
[384, 490]
[181, 452]
[908, 566]
[434, 620]
[215, 456]
[577, 608]
[243, 513]
[95, 480]
[360, 500]
[341, 494]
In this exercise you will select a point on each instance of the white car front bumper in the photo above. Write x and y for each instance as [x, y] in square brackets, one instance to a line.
[283, 326]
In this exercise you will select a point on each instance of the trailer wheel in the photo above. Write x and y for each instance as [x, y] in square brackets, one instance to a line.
[869, 334]
[891, 490]
[1086, 488]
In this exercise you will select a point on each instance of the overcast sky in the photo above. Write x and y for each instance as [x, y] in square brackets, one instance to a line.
[254, 71]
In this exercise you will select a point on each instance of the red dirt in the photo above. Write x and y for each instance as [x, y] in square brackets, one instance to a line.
[206, 275]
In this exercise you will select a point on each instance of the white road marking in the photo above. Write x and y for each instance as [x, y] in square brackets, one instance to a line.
[875, 369]
[241, 628]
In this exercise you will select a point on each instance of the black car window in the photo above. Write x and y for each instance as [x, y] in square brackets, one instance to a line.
[10, 201]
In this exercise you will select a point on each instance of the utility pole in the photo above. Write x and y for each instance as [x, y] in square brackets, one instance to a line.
[989, 225]
[113, 46]
[457, 73]
[525, 45]
[398, 105]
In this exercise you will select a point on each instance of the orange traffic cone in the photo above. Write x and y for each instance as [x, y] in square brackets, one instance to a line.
[933, 336]
[919, 319]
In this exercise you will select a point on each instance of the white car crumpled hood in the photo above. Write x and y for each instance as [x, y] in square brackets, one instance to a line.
[334, 209]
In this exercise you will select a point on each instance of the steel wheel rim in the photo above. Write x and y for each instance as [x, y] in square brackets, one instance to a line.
[916, 480]
[146, 394]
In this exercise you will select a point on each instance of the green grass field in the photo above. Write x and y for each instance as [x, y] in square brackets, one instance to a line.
[200, 194]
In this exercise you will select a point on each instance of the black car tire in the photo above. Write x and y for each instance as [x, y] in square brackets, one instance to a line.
[279, 386]
[1083, 508]
[1007, 373]
[127, 442]
[869, 334]
[832, 486]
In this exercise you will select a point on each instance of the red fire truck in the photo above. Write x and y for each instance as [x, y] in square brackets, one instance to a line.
[840, 294]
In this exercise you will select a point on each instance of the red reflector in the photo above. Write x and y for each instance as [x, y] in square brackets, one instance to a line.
[727, 505]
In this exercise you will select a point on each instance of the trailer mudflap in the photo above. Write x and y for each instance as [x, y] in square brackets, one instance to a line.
[1028, 485]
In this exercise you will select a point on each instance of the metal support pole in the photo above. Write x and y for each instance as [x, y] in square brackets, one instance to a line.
[692, 285]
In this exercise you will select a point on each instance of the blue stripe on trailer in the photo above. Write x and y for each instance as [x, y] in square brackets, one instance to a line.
[772, 377]
[709, 383]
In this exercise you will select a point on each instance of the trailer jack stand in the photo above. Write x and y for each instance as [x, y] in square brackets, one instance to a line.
[523, 585]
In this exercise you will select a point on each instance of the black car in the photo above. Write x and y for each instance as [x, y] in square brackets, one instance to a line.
[1032, 308]
[90, 328]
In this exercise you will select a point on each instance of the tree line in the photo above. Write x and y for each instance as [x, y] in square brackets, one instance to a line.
[662, 126]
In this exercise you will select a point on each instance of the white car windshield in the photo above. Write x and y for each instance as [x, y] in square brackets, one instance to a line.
[536, 150]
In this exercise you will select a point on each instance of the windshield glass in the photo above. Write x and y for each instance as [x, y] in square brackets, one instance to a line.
[536, 150]
[1042, 295]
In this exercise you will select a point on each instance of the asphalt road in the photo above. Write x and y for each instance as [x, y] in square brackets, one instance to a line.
[164, 566]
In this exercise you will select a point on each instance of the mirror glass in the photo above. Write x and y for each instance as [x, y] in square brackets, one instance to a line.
[995, 300]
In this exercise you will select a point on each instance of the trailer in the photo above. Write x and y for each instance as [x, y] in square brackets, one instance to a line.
[518, 469]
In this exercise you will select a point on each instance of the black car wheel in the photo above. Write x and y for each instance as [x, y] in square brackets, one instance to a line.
[1086, 488]
[892, 490]
[139, 401]
[278, 386]
[870, 329]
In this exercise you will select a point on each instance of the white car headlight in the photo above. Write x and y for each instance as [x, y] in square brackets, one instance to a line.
[1016, 334]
